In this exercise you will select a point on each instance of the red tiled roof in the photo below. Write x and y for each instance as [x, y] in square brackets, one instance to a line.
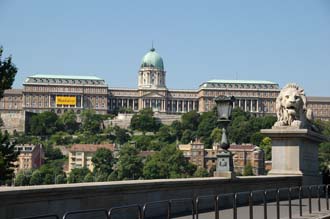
[242, 147]
[91, 147]
[146, 153]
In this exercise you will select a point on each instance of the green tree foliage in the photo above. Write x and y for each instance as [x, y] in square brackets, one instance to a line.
[68, 122]
[8, 156]
[187, 136]
[248, 170]
[103, 161]
[129, 165]
[91, 122]
[177, 129]
[61, 138]
[166, 134]
[43, 124]
[216, 135]
[190, 120]
[7, 73]
[144, 121]
[121, 135]
[168, 163]
[36, 178]
[208, 122]
[243, 127]
[324, 155]
[23, 178]
[78, 175]
[266, 146]
[52, 153]
[201, 172]
[89, 178]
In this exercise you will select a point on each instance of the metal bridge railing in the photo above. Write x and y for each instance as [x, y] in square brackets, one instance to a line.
[264, 198]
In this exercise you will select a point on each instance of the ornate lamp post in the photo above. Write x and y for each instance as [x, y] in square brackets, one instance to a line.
[225, 165]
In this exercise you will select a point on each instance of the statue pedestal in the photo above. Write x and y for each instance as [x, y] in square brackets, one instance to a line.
[225, 165]
[295, 152]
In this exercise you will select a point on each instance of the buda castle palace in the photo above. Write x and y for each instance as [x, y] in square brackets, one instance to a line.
[60, 93]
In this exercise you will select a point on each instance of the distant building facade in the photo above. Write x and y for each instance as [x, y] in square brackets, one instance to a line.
[30, 157]
[60, 93]
[243, 155]
[80, 155]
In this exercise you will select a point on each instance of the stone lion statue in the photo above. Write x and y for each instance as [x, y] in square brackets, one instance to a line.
[291, 108]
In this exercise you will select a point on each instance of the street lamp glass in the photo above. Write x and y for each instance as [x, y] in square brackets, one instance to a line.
[224, 107]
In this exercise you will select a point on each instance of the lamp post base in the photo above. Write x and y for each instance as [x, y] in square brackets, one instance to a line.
[225, 167]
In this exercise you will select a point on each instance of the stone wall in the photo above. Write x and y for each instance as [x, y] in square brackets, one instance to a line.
[13, 120]
[36, 200]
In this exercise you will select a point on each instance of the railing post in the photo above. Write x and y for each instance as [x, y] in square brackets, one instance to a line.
[310, 199]
[300, 201]
[319, 197]
[216, 207]
[278, 203]
[251, 204]
[265, 204]
[169, 210]
[196, 206]
[290, 206]
[235, 206]
[327, 196]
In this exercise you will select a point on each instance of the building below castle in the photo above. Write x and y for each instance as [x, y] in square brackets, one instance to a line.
[245, 154]
[60, 93]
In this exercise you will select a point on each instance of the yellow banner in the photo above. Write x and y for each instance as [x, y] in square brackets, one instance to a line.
[65, 100]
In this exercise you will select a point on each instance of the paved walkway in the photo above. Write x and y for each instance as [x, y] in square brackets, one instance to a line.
[258, 211]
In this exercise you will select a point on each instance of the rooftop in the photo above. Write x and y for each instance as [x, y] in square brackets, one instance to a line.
[240, 82]
[73, 77]
[91, 147]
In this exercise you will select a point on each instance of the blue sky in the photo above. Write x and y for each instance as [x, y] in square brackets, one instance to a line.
[281, 41]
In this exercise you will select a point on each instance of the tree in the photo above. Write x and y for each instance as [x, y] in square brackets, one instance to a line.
[144, 121]
[256, 138]
[103, 161]
[129, 165]
[78, 175]
[190, 120]
[7, 73]
[216, 135]
[166, 134]
[89, 178]
[68, 121]
[121, 135]
[8, 156]
[168, 163]
[177, 129]
[21, 179]
[248, 170]
[36, 178]
[324, 155]
[208, 122]
[187, 136]
[91, 122]
[43, 124]
[201, 172]
[266, 146]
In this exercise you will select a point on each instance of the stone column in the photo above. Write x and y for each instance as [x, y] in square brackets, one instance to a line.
[177, 105]
[245, 105]
[251, 105]
[295, 152]
[257, 105]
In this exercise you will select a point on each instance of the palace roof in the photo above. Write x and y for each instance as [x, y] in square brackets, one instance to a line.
[240, 84]
[64, 79]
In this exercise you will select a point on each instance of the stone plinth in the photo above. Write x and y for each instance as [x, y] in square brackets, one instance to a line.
[225, 165]
[295, 152]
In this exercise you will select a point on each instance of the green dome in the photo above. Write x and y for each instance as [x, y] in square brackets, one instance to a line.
[152, 59]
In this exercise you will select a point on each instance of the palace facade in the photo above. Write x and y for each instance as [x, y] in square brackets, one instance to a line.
[59, 93]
